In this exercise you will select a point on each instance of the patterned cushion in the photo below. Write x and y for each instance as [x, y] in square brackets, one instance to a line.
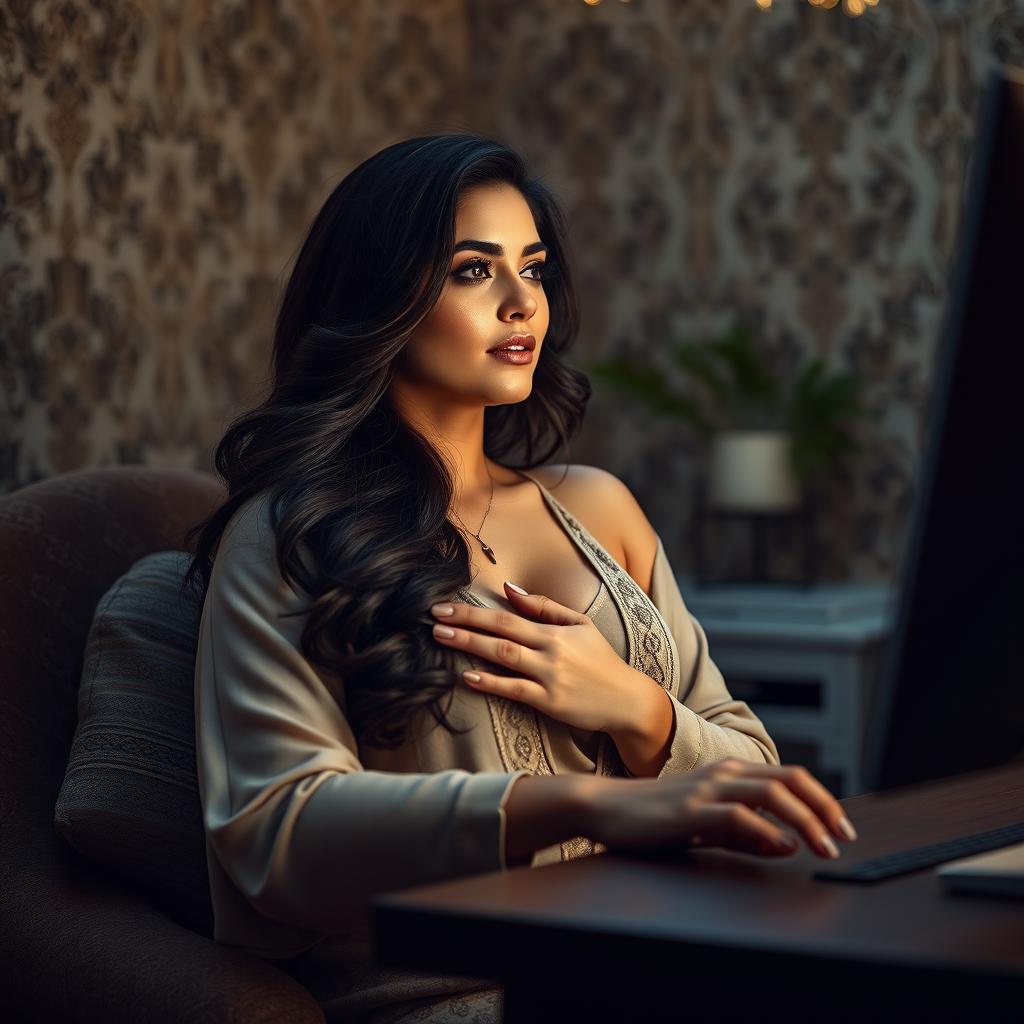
[130, 797]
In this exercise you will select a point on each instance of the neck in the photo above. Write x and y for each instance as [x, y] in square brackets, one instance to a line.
[457, 432]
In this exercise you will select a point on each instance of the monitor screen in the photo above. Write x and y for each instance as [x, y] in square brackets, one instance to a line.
[950, 696]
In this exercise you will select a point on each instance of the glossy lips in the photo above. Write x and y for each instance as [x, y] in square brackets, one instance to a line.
[517, 358]
[508, 351]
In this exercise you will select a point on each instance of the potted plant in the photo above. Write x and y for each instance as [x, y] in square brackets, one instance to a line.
[768, 444]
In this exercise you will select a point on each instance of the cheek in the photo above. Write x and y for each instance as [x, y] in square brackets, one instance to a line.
[542, 318]
[459, 320]
[458, 325]
[447, 340]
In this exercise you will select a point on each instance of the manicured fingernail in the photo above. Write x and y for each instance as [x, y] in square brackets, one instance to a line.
[444, 631]
[829, 846]
[442, 609]
[518, 590]
[473, 677]
[847, 829]
[786, 843]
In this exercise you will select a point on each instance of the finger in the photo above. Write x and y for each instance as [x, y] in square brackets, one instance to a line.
[496, 621]
[773, 795]
[524, 690]
[498, 650]
[544, 609]
[736, 827]
[808, 789]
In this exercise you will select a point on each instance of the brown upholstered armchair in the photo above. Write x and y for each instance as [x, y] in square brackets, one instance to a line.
[77, 944]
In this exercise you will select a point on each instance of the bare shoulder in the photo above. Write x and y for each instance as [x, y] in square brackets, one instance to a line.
[609, 510]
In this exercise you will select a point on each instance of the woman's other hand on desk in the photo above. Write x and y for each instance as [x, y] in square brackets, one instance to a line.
[718, 805]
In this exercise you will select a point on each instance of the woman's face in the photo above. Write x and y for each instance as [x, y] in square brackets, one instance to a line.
[493, 290]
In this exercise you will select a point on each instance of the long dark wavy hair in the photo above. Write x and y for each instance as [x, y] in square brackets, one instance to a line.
[347, 477]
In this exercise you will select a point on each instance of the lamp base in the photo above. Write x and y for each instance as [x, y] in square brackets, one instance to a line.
[803, 516]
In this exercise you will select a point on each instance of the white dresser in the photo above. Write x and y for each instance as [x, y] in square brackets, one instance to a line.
[805, 659]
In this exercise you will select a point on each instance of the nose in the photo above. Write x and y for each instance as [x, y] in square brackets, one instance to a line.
[519, 304]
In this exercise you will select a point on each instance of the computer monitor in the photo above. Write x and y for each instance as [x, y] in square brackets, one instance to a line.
[950, 695]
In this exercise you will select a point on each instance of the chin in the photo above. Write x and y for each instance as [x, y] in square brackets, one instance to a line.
[513, 394]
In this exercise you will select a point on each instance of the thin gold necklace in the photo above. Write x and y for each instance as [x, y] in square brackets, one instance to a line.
[484, 547]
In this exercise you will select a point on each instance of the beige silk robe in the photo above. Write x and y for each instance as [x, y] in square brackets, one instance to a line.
[304, 826]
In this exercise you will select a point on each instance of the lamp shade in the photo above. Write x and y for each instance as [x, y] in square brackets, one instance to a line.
[751, 472]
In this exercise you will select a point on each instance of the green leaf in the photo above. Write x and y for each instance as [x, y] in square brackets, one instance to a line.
[754, 383]
[691, 356]
[818, 415]
[647, 384]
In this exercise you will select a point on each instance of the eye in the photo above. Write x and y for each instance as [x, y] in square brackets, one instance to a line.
[478, 264]
[537, 268]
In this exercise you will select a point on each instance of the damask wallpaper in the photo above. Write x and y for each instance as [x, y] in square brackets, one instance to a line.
[797, 168]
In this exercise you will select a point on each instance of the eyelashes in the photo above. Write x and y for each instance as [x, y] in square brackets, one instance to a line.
[540, 267]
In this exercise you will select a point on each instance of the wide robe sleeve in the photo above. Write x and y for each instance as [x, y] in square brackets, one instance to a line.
[709, 723]
[303, 831]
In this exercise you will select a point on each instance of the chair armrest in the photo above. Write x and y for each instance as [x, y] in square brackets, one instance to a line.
[78, 947]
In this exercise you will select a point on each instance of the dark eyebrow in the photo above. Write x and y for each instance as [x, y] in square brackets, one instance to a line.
[494, 249]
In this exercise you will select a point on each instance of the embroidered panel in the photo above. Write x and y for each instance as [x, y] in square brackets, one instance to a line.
[517, 732]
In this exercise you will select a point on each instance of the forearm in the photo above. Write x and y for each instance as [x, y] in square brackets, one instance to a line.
[543, 810]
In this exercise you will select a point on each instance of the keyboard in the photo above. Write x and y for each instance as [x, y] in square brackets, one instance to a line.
[903, 862]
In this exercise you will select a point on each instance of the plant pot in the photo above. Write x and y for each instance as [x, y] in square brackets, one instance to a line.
[751, 471]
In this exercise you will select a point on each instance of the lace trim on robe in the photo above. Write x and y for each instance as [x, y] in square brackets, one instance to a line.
[649, 642]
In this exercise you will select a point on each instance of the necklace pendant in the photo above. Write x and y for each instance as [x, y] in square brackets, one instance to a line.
[488, 552]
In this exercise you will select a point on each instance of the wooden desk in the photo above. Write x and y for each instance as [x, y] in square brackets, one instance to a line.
[735, 936]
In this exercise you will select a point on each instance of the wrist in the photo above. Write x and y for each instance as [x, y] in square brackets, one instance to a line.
[541, 810]
[590, 802]
[646, 711]
[645, 742]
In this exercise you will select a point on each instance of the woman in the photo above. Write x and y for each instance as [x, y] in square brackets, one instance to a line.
[342, 751]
